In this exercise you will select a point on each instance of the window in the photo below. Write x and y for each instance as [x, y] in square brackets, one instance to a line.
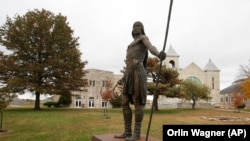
[226, 99]
[195, 80]
[92, 83]
[104, 104]
[212, 82]
[91, 102]
[78, 102]
[171, 64]
[103, 83]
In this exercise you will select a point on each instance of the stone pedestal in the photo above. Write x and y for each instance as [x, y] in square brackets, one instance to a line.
[3, 130]
[110, 137]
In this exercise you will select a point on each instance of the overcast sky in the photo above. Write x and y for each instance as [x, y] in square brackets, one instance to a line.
[199, 29]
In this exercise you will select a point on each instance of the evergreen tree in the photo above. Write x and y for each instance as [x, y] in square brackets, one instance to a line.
[168, 81]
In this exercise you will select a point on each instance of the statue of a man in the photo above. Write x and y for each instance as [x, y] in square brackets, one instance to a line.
[135, 81]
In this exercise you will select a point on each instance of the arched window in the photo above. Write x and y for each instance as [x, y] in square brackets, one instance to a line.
[171, 64]
[194, 79]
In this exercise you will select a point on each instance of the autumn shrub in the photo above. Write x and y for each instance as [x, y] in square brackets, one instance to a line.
[65, 100]
[116, 102]
[51, 104]
[241, 106]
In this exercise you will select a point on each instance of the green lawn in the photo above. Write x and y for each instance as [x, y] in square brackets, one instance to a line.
[52, 124]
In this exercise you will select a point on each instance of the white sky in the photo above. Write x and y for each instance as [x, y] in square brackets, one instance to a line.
[199, 29]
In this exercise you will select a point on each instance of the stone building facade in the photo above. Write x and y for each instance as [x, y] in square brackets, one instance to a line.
[91, 97]
[209, 76]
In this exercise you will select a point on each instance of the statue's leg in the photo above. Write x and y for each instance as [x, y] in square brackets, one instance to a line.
[127, 116]
[139, 113]
[138, 120]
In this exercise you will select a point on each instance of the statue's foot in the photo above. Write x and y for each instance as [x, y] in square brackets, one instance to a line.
[123, 135]
[134, 137]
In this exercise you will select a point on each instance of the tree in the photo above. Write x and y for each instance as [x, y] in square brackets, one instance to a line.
[106, 93]
[5, 99]
[245, 74]
[245, 71]
[45, 58]
[5, 96]
[238, 101]
[195, 92]
[168, 81]
[245, 86]
[65, 99]
[116, 101]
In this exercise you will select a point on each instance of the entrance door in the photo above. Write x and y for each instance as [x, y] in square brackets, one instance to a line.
[78, 102]
[91, 102]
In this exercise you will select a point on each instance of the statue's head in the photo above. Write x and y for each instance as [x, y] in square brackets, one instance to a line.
[138, 23]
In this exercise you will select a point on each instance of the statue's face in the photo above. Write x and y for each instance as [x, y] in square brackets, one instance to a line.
[137, 28]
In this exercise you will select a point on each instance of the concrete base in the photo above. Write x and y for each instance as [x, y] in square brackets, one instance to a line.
[3, 130]
[110, 137]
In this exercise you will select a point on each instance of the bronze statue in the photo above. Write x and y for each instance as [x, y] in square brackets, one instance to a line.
[135, 81]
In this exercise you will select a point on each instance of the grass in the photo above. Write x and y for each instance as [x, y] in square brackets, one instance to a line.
[55, 124]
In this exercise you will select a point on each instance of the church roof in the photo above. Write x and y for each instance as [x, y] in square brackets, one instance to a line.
[210, 66]
[193, 66]
[235, 87]
[172, 52]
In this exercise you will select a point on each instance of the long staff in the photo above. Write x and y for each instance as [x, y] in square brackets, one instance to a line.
[157, 79]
